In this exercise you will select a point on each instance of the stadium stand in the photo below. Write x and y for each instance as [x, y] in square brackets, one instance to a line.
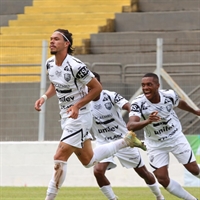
[21, 40]
[121, 48]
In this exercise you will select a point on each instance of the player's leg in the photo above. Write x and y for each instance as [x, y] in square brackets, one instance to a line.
[72, 137]
[184, 154]
[103, 182]
[171, 185]
[193, 168]
[159, 160]
[89, 156]
[150, 181]
[131, 158]
[63, 152]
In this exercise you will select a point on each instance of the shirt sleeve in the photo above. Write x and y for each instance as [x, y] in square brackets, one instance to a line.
[117, 98]
[135, 109]
[175, 97]
[83, 74]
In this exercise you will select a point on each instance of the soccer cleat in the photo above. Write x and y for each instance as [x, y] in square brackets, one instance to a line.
[132, 141]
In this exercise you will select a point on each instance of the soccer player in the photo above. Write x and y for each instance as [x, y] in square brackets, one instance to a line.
[153, 111]
[108, 126]
[69, 79]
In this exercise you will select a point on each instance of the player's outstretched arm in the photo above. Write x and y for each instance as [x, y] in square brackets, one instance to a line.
[184, 106]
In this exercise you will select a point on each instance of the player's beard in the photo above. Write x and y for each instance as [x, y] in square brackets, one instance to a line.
[53, 52]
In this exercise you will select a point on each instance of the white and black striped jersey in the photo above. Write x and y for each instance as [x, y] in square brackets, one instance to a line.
[108, 123]
[70, 81]
[169, 126]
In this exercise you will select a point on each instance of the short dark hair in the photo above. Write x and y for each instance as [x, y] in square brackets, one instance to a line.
[69, 37]
[154, 76]
[97, 76]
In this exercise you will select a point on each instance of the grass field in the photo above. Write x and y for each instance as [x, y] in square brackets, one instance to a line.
[85, 193]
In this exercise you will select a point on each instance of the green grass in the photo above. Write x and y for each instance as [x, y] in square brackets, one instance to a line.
[85, 193]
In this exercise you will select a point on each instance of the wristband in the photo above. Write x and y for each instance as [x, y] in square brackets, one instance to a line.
[44, 96]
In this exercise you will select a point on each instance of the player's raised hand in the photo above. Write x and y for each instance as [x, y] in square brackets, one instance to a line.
[153, 117]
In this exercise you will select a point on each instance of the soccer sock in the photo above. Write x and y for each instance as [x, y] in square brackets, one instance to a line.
[156, 191]
[107, 150]
[176, 189]
[108, 192]
[57, 179]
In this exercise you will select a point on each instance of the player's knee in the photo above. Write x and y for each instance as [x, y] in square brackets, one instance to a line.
[91, 163]
[193, 168]
[163, 180]
[98, 172]
[195, 171]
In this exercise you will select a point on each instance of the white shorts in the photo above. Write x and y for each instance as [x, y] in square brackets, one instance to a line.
[179, 147]
[128, 157]
[76, 131]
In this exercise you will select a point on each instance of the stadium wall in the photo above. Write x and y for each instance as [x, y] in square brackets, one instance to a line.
[31, 164]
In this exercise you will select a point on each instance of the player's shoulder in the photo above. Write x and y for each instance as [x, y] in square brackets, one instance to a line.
[50, 62]
[167, 92]
[139, 98]
[73, 61]
[108, 92]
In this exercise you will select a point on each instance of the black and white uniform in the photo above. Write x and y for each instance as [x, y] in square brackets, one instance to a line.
[166, 135]
[108, 126]
[70, 81]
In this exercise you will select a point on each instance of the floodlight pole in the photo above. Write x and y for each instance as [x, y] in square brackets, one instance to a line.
[41, 128]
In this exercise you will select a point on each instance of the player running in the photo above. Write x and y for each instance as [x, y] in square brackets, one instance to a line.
[153, 111]
[109, 126]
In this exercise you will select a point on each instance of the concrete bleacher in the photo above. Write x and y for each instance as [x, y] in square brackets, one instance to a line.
[134, 43]
[21, 40]
[9, 9]
[136, 46]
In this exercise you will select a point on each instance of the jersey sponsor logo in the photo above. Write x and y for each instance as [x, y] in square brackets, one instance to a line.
[161, 123]
[104, 116]
[66, 99]
[66, 68]
[108, 129]
[58, 85]
[118, 98]
[105, 99]
[108, 106]
[67, 77]
[164, 129]
[170, 135]
[114, 137]
[83, 72]
[65, 107]
[135, 108]
[105, 122]
[159, 108]
[58, 74]
[167, 100]
[97, 107]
